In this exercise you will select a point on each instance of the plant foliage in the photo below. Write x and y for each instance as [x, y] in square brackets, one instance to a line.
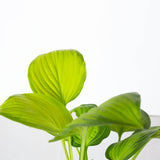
[56, 78]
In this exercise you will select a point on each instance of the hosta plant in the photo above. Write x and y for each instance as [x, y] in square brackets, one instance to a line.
[56, 78]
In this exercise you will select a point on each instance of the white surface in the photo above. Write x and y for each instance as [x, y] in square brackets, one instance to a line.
[18, 142]
[119, 40]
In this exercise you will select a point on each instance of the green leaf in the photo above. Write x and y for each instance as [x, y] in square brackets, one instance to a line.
[145, 119]
[119, 111]
[84, 108]
[126, 148]
[94, 135]
[60, 74]
[38, 111]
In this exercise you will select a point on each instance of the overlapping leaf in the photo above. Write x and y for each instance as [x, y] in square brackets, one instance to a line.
[94, 134]
[145, 119]
[126, 148]
[84, 108]
[60, 74]
[120, 111]
[38, 111]
[123, 110]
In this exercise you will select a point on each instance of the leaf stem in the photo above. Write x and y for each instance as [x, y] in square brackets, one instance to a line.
[70, 148]
[120, 134]
[77, 150]
[119, 137]
[65, 149]
[83, 150]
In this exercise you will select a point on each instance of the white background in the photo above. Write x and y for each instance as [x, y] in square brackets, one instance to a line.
[119, 40]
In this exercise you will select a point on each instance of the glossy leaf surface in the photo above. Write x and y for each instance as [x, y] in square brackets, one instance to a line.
[60, 74]
[120, 111]
[123, 110]
[126, 148]
[94, 134]
[37, 111]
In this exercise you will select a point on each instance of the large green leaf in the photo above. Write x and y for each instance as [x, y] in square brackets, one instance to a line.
[94, 134]
[123, 110]
[120, 111]
[60, 74]
[38, 111]
[126, 148]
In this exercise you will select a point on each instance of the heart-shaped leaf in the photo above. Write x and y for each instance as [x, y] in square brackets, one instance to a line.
[123, 110]
[120, 111]
[60, 74]
[126, 148]
[38, 111]
[94, 134]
